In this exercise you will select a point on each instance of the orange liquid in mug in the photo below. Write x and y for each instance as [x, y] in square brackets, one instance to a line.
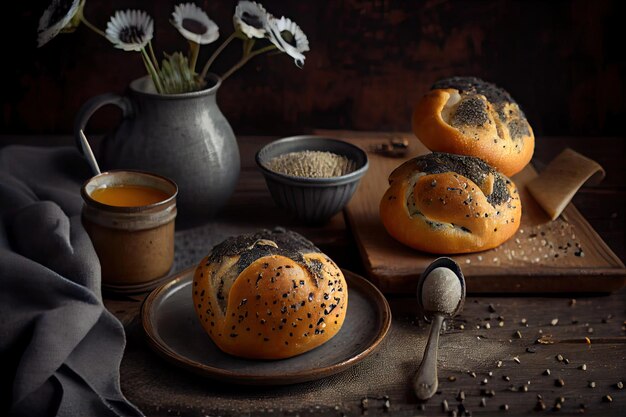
[128, 195]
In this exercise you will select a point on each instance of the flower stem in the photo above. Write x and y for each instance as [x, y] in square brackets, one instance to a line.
[153, 56]
[247, 57]
[194, 50]
[152, 71]
[219, 50]
[92, 27]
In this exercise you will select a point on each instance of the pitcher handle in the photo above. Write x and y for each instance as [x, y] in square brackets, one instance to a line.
[92, 105]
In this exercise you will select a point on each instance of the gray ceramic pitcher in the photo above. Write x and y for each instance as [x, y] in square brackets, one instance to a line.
[181, 136]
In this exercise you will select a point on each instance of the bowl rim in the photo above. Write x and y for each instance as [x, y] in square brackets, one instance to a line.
[342, 179]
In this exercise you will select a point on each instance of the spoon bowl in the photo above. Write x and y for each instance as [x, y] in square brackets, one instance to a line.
[442, 262]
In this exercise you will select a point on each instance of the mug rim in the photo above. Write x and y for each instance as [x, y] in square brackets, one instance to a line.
[132, 209]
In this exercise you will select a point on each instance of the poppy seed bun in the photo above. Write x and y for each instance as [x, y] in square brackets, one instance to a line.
[469, 116]
[269, 295]
[443, 203]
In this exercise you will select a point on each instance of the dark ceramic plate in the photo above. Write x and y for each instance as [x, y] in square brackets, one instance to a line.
[174, 332]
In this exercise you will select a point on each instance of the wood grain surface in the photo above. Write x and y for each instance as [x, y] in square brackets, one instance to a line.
[565, 255]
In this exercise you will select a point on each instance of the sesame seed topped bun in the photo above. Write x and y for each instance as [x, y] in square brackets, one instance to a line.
[269, 295]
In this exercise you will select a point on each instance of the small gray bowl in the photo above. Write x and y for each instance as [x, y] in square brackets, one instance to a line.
[312, 200]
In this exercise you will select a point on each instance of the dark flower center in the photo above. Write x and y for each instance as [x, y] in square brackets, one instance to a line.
[289, 38]
[132, 34]
[194, 26]
[61, 8]
[252, 20]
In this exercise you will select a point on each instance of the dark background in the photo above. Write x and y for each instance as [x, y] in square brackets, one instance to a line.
[369, 62]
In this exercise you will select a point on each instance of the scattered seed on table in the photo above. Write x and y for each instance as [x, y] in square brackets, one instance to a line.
[559, 382]
[472, 374]
[539, 397]
[487, 393]
[590, 330]
[561, 400]
[483, 402]
[557, 406]
[504, 407]
[554, 322]
[490, 373]
[506, 378]
[517, 334]
[451, 378]
[540, 406]
[422, 407]
[566, 361]
[516, 359]
[619, 385]
[583, 367]
[500, 318]
[500, 324]
[453, 413]
[592, 384]
[364, 403]
[546, 372]
[491, 308]
[607, 399]
[572, 302]
[444, 406]
[386, 405]
[461, 396]
[487, 326]
[512, 388]
[524, 322]
[559, 357]
[499, 364]
[462, 327]
[587, 340]
[484, 381]
[524, 388]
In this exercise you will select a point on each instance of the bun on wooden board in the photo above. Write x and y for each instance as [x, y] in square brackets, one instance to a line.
[469, 116]
[443, 203]
[269, 295]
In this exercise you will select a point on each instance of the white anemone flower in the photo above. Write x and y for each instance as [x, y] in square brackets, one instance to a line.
[60, 16]
[194, 24]
[251, 18]
[289, 38]
[130, 30]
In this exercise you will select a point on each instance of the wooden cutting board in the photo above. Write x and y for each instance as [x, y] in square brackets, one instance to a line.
[564, 255]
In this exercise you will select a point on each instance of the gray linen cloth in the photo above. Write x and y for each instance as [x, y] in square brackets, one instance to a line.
[60, 349]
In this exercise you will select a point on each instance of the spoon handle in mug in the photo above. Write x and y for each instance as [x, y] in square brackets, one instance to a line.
[425, 381]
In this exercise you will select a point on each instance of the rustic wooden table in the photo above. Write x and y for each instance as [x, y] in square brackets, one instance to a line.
[485, 366]
[478, 352]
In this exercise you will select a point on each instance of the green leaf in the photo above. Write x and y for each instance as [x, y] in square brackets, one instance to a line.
[177, 77]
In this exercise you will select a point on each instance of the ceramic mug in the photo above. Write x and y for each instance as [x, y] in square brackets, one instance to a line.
[135, 245]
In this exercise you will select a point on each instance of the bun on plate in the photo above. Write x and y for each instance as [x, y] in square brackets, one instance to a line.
[269, 295]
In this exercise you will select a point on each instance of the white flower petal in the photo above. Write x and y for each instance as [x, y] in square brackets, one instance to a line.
[130, 30]
[56, 18]
[282, 29]
[251, 18]
[194, 24]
